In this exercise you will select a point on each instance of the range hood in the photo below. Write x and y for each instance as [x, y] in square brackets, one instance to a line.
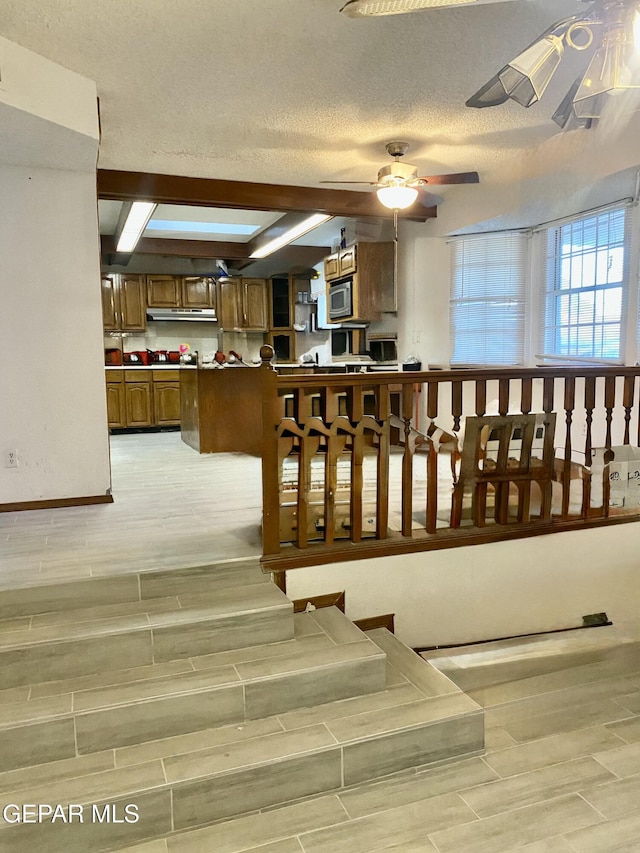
[203, 315]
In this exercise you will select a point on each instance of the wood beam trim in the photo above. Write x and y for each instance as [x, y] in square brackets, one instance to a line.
[307, 255]
[241, 195]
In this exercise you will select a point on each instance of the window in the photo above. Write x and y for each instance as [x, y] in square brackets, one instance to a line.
[488, 299]
[586, 287]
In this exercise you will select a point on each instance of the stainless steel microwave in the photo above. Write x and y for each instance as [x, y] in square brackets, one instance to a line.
[341, 299]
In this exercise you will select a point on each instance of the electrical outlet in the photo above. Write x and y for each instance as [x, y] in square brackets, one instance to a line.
[11, 459]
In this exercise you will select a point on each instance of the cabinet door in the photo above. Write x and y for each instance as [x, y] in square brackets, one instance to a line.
[133, 303]
[280, 303]
[230, 303]
[198, 292]
[347, 261]
[283, 344]
[331, 269]
[166, 403]
[254, 291]
[163, 291]
[110, 303]
[116, 414]
[138, 404]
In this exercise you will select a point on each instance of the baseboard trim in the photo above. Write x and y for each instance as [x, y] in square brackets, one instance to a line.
[333, 599]
[56, 503]
[384, 621]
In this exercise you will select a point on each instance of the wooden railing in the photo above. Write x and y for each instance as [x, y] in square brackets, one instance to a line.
[372, 464]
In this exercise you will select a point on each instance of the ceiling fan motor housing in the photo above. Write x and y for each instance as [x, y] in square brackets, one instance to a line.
[397, 172]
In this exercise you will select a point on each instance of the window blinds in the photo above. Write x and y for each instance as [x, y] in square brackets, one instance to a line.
[585, 293]
[489, 298]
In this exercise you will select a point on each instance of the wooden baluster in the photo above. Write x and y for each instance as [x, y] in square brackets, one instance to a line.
[547, 394]
[503, 396]
[432, 462]
[329, 408]
[304, 487]
[502, 468]
[406, 409]
[355, 413]
[589, 405]
[609, 404]
[383, 408]
[270, 461]
[302, 405]
[481, 397]
[456, 404]
[569, 406]
[526, 396]
[524, 489]
[627, 401]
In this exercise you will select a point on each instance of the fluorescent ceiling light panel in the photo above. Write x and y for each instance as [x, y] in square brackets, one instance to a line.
[292, 234]
[202, 227]
[134, 225]
[362, 8]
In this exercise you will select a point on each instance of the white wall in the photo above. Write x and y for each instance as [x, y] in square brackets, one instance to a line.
[52, 395]
[489, 591]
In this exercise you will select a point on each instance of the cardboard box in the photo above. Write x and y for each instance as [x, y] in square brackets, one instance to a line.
[624, 474]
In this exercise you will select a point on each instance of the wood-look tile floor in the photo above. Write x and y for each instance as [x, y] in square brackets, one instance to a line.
[172, 507]
[561, 773]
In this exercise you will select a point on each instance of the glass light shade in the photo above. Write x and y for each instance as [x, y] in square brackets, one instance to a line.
[397, 198]
[565, 116]
[526, 78]
[366, 8]
[607, 74]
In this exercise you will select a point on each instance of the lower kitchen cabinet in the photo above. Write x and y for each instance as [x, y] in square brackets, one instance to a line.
[166, 398]
[138, 398]
[143, 398]
[116, 411]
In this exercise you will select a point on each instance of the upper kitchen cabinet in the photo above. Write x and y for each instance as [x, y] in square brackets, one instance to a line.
[341, 263]
[242, 304]
[370, 269]
[173, 291]
[124, 303]
[163, 291]
[198, 292]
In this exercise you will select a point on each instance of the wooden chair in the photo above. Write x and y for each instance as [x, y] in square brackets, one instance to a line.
[500, 452]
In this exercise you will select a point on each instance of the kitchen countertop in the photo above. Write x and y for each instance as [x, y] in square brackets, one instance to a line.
[146, 366]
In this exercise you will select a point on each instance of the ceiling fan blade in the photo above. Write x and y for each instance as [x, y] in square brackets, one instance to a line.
[457, 178]
[362, 183]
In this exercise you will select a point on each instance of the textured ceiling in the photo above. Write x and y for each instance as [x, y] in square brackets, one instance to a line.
[290, 91]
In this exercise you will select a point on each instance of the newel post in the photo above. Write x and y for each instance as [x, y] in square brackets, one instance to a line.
[270, 473]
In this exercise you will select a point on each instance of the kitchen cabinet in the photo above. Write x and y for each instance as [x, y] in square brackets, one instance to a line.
[198, 292]
[143, 398]
[163, 291]
[124, 303]
[166, 397]
[242, 304]
[116, 412]
[138, 398]
[174, 291]
[341, 263]
[370, 266]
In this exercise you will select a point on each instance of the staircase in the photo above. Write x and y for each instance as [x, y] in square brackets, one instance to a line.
[163, 702]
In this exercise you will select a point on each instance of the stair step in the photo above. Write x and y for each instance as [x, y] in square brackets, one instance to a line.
[196, 788]
[234, 617]
[120, 715]
[96, 592]
[426, 677]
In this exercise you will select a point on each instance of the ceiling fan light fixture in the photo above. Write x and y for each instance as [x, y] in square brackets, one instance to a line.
[607, 74]
[565, 115]
[397, 197]
[375, 8]
[526, 78]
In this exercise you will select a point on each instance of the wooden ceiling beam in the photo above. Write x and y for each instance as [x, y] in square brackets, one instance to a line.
[240, 195]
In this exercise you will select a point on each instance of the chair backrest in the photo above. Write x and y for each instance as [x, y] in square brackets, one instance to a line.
[505, 450]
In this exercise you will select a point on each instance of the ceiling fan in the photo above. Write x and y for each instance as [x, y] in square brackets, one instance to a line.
[398, 184]
[365, 8]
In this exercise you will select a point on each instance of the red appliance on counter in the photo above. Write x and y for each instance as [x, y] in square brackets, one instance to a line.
[138, 357]
[113, 356]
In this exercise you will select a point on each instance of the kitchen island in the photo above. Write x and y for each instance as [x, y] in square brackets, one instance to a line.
[221, 409]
